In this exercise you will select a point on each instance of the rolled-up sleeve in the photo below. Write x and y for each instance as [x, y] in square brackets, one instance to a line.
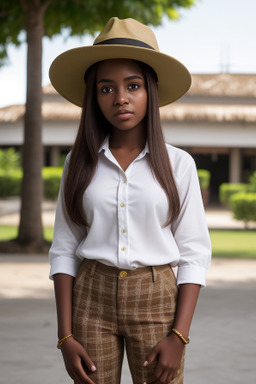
[190, 230]
[67, 236]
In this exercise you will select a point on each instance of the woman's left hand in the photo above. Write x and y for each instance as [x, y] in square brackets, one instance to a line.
[168, 353]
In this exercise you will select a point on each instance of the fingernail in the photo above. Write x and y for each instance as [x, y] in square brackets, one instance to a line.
[145, 364]
[93, 368]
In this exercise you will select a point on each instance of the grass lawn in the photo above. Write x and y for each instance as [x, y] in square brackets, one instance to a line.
[231, 244]
[10, 232]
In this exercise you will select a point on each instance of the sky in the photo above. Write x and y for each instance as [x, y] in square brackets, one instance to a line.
[213, 36]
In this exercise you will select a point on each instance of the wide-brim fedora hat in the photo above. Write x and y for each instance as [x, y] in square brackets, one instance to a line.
[120, 39]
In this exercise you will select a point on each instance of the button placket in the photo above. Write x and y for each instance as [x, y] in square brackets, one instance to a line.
[122, 220]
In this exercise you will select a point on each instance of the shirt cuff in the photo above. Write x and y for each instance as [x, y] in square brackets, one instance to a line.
[191, 275]
[64, 265]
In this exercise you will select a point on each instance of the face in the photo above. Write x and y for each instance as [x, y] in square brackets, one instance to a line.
[121, 93]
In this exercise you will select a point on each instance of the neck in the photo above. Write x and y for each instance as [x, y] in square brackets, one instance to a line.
[130, 140]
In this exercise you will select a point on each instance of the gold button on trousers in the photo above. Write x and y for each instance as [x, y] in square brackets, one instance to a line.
[113, 308]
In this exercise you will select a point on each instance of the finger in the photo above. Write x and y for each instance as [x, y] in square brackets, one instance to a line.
[164, 373]
[88, 362]
[158, 380]
[85, 380]
[78, 373]
[151, 357]
[77, 379]
[75, 376]
[164, 378]
[172, 375]
[82, 378]
[158, 372]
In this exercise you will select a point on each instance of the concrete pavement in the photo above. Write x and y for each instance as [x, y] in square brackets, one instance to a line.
[223, 338]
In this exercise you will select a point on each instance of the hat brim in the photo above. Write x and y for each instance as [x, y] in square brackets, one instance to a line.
[67, 70]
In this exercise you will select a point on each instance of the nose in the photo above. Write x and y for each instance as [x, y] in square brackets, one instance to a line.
[121, 97]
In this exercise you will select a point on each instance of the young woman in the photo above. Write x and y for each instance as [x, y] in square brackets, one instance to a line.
[129, 210]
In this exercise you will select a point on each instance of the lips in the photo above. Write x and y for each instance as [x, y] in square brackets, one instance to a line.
[123, 114]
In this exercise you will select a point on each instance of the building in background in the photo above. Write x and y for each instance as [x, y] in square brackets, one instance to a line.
[215, 122]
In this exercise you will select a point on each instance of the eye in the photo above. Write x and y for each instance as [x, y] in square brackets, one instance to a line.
[106, 89]
[134, 86]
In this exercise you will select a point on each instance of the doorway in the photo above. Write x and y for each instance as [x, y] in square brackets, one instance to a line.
[218, 165]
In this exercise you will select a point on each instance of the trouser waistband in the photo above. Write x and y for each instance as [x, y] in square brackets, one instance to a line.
[94, 265]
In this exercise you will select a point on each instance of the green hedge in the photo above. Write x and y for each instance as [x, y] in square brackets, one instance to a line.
[227, 190]
[10, 182]
[51, 179]
[9, 160]
[243, 206]
[252, 183]
[204, 178]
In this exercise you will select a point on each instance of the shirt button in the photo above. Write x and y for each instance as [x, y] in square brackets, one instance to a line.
[123, 230]
[122, 205]
[123, 274]
[123, 248]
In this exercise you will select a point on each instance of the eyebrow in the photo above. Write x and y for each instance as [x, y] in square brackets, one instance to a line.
[126, 79]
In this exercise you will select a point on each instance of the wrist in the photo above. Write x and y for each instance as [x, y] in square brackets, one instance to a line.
[182, 328]
[63, 339]
[185, 340]
[64, 332]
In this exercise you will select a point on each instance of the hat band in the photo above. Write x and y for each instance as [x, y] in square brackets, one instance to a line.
[125, 41]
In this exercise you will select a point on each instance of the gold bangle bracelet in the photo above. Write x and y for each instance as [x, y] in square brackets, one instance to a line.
[181, 336]
[61, 341]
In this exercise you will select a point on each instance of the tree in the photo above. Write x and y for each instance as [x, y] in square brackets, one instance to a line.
[40, 18]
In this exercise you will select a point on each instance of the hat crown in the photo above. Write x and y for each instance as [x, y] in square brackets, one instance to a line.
[127, 29]
[119, 39]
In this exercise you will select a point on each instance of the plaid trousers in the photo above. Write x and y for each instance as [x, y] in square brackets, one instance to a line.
[113, 308]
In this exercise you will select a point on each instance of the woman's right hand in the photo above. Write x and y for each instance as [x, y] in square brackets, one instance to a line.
[76, 361]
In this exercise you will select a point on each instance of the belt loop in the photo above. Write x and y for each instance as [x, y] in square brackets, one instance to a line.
[93, 268]
[154, 273]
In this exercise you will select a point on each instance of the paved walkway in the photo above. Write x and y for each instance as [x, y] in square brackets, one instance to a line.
[223, 338]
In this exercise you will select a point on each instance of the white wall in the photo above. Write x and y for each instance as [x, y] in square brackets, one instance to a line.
[231, 135]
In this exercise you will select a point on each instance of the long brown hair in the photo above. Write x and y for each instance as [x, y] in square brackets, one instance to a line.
[92, 130]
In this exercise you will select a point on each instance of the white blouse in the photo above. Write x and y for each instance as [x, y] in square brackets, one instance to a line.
[126, 213]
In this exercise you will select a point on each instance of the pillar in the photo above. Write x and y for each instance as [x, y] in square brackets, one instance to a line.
[235, 165]
[54, 156]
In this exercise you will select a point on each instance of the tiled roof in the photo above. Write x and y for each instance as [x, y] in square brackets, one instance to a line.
[218, 85]
[209, 113]
[224, 84]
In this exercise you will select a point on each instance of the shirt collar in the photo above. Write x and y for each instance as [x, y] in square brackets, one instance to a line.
[105, 146]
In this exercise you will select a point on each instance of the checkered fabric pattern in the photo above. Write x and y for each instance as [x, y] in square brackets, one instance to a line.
[113, 308]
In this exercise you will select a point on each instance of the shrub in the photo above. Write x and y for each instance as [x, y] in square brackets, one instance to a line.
[243, 206]
[252, 183]
[9, 160]
[10, 183]
[51, 180]
[226, 190]
[62, 160]
[204, 178]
